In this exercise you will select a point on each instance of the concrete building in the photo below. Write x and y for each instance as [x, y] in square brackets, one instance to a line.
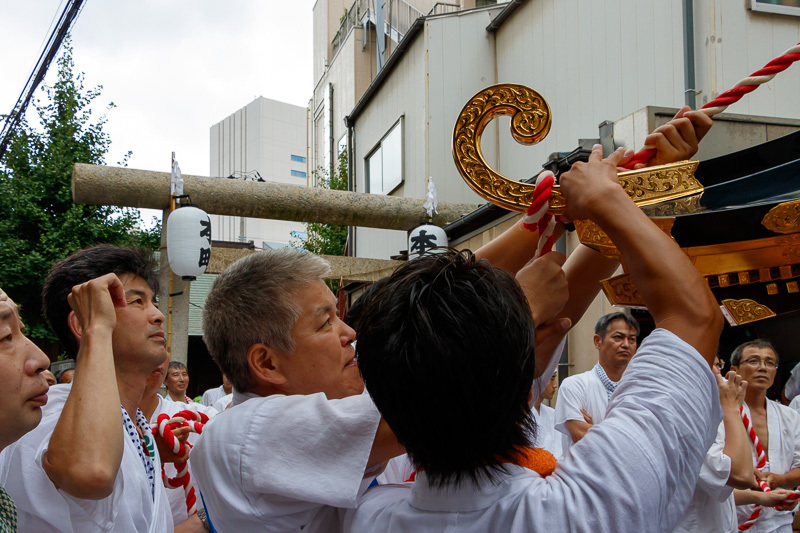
[265, 140]
[625, 63]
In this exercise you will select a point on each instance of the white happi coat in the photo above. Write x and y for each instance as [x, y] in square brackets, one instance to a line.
[177, 497]
[41, 507]
[712, 508]
[546, 435]
[279, 463]
[581, 391]
[212, 395]
[626, 475]
[783, 455]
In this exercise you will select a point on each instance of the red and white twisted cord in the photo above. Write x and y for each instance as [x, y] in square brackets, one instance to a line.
[761, 460]
[537, 218]
[164, 426]
[721, 102]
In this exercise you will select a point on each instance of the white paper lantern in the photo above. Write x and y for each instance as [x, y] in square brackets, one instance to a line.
[188, 241]
[425, 238]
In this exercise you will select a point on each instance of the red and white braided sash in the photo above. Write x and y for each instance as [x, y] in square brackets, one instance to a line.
[164, 426]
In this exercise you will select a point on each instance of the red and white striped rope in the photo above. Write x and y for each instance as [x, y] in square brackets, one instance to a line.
[721, 102]
[537, 218]
[761, 460]
[164, 426]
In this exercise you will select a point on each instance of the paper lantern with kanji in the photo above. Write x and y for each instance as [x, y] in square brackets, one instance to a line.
[425, 238]
[188, 241]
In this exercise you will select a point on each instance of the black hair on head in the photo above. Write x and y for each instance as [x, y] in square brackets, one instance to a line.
[446, 350]
[86, 265]
[175, 364]
[736, 355]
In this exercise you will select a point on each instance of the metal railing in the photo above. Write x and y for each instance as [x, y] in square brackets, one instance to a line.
[440, 8]
[398, 18]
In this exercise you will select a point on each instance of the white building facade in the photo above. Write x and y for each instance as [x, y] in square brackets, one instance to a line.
[264, 140]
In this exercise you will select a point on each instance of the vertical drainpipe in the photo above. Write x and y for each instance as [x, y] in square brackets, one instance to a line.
[351, 179]
[690, 93]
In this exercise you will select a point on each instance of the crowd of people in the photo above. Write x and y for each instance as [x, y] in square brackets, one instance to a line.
[432, 420]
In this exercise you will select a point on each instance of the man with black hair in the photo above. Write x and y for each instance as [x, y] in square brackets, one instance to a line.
[86, 468]
[778, 429]
[583, 399]
[446, 350]
[23, 391]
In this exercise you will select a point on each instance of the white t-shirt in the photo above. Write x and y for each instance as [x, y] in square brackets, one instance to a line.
[795, 403]
[581, 391]
[41, 507]
[281, 462]
[222, 403]
[212, 395]
[177, 497]
[627, 474]
[792, 388]
[712, 508]
[783, 455]
[546, 435]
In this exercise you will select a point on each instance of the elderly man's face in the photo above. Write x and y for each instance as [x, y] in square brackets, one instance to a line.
[757, 367]
[23, 389]
[324, 358]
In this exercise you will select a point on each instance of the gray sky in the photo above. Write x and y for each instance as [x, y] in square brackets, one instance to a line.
[172, 67]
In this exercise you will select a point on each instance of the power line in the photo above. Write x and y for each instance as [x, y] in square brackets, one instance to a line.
[65, 22]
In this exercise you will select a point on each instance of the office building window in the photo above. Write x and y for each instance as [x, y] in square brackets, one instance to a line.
[298, 174]
[384, 165]
[298, 158]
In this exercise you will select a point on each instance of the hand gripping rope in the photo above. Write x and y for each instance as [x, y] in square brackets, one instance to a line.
[761, 460]
[537, 218]
[721, 102]
[164, 426]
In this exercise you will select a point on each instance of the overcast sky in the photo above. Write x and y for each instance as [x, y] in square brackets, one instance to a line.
[172, 67]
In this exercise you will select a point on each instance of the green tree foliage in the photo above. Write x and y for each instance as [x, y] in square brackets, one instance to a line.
[327, 239]
[39, 222]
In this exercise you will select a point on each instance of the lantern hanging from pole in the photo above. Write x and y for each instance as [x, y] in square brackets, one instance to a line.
[426, 238]
[188, 241]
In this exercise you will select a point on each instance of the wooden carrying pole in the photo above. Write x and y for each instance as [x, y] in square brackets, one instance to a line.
[104, 185]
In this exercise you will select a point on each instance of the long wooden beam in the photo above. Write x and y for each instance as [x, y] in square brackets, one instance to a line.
[342, 267]
[104, 185]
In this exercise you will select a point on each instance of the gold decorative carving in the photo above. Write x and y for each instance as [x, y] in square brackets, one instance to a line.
[681, 206]
[791, 248]
[530, 123]
[744, 278]
[664, 182]
[746, 310]
[772, 289]
[620, 290]
[723, 280]
[591, 235]
[783, 218]
[791, 287]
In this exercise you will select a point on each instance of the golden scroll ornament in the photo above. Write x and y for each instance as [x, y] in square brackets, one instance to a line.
[746, 310]
[783, 218]
[530, 123]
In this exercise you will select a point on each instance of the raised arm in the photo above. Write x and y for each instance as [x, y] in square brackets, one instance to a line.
[676, 295]
[737, 443]
[85, 449]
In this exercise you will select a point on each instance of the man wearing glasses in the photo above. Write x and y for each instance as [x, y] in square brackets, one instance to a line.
[778, 430]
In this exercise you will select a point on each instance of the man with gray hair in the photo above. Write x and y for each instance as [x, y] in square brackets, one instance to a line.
[583, 398]
[301, 440]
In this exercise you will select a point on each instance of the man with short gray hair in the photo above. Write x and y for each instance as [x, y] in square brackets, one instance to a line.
[583, 398]
[301, 440]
